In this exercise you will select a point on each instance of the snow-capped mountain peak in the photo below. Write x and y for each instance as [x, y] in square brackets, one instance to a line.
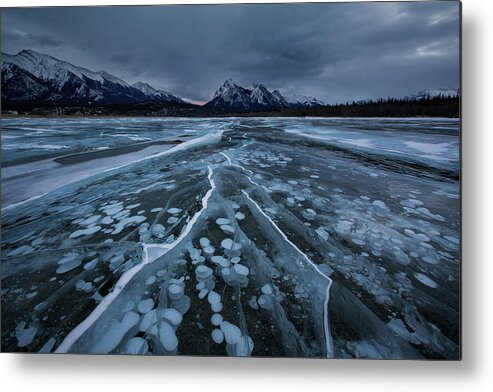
[145, 88]
[437, 92]
[33, 76]
[232, 96]
[301, 100]
[153, 93]
[229, 87]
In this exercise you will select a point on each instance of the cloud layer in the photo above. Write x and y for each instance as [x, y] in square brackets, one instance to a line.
[337, 52]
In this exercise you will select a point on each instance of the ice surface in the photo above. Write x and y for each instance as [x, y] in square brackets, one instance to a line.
[259, 236]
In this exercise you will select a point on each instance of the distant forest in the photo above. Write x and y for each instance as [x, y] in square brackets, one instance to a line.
[440, 106]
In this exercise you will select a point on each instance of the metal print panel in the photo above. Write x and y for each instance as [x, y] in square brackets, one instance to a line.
[232, 180]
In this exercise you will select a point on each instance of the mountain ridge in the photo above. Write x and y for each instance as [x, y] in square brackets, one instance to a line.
[38, 77]
[232, 96]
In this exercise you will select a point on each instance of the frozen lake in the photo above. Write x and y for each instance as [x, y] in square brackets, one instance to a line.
[233, 236]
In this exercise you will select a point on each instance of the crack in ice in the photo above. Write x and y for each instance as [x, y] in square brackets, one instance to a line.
[328, 336]
[78, 331]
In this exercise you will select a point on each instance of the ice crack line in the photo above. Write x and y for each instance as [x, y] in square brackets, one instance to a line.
[328, 336]
[151, 252]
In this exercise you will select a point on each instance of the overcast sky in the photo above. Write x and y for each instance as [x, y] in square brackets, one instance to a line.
[334, 52]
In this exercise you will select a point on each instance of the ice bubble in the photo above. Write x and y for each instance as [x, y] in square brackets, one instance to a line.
[220, 261]
[253, 302]
[425, 280]
[121, 215]
[132, 206]
[203, 293]
[240, 269]
[216, 319]
[322, 233]
[358, 241]
[227, 229]
[174, 211]
[172, 219]
[231, 332]
[128, 222]
[91, 219]
[91, 264]
[217, 336]
[136, 346]
[157, 209]
[235, 259]
[267, 289]
[157, 229]
[25, 335]
[226, 272]
[202, 272]
[173, 316]
[167, 337]
[68, 265]
[41, 306]
[222, 221]
[240, 215]
[266, 302]
[227, 243]
[107, 220]
[81, 285]
[213, 297]
[88, 231]
[113, 210]
[31, 294]
[175, 291]
[150, 280]
[145, 306]
[380, 204]
[430, 260]
[149, 319]
[204, 242]
[244, 347]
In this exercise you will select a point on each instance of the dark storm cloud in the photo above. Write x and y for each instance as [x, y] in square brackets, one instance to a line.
[25, 39]
[335, 52]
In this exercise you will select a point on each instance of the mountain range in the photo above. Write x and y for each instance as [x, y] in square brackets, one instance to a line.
[34, 78]
[30, 76]
[233, 97]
